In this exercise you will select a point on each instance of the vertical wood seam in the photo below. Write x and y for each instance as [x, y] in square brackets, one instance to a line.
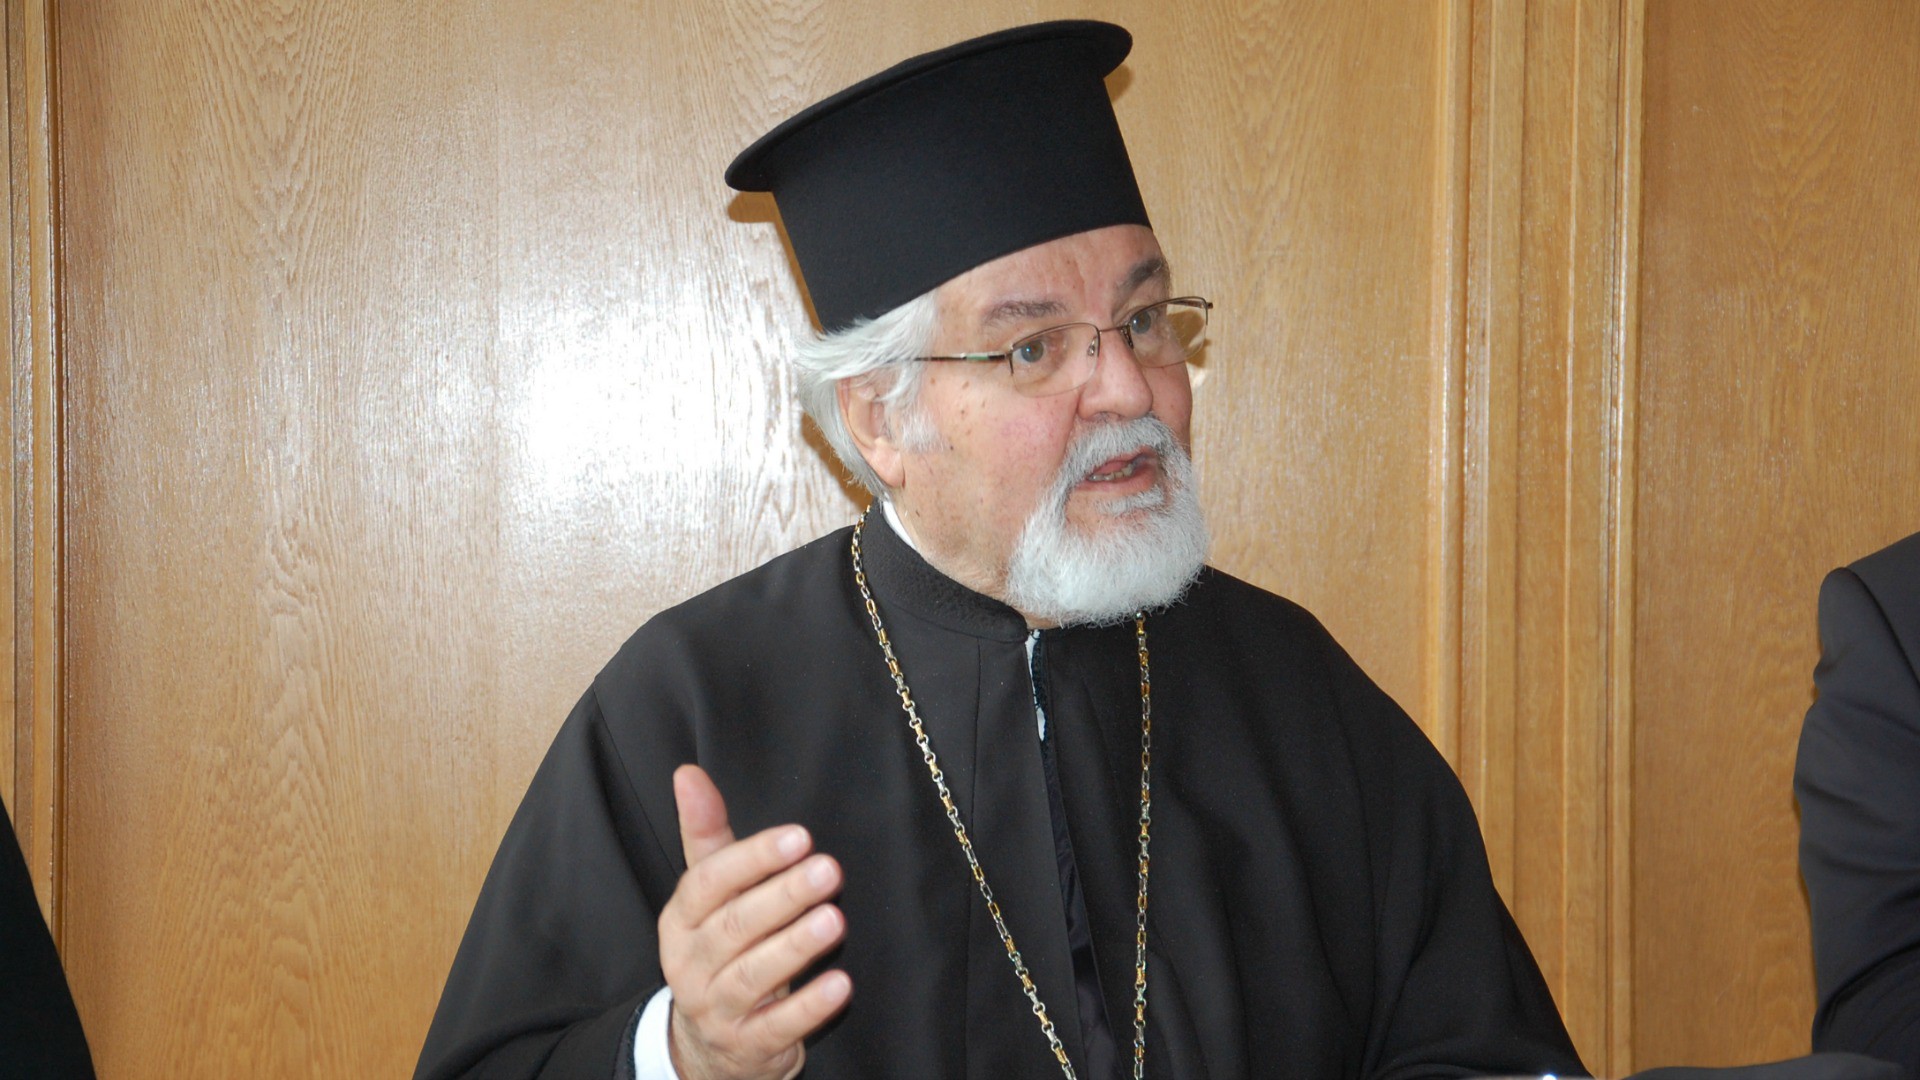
[1490, 491]
[1588, 340]
[1623, 438]
[36, 452]
[1447, 337]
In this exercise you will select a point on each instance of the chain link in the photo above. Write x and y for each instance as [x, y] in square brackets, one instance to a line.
[925, 746]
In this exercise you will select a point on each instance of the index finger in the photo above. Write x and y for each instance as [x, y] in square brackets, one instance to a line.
[703, 814]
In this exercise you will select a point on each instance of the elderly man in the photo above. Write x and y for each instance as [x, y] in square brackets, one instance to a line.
[1002, 781]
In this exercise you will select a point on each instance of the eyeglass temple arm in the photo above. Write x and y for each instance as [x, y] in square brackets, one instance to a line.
[974, 357]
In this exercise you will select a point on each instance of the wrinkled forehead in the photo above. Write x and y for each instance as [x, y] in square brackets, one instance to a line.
[1088, 275]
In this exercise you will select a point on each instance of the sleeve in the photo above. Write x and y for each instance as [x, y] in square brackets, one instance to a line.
[1857, 779]
[652, 1057]
[1457, 992]
[561, 953]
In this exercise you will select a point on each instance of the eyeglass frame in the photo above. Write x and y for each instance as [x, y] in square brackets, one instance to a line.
[1006, 355]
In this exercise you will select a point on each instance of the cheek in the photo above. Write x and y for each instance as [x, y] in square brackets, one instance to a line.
[1173, 400]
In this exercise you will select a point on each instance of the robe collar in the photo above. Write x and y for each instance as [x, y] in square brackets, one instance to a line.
[901, 577]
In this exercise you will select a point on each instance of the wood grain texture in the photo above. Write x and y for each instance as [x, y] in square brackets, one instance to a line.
[1569, 281]
[1623, 501]
[1777, 380]
[1490, 415]
[1303, 199]
[17, 342]
[35, 731]
[1542, 360]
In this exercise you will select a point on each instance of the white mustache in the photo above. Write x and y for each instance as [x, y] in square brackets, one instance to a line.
[1101, 444]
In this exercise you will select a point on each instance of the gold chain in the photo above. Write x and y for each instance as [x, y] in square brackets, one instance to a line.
[973, 862]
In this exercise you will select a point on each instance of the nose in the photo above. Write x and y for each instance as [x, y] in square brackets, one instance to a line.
[1119, 386]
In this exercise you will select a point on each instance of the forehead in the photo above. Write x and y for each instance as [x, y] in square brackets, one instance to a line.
[1084, 273]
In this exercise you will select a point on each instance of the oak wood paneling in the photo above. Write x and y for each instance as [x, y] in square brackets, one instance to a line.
[1777, 439]
[1561, 511]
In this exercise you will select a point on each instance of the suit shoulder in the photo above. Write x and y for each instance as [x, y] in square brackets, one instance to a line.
[1892, 576]
[1877, 594]
[1899, 560]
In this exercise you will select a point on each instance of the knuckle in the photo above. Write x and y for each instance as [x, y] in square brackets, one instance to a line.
[697, 881]
[733, 926]
[743, 981]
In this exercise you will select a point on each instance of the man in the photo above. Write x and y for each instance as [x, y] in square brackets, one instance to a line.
[1019, 787]
[1858, 783]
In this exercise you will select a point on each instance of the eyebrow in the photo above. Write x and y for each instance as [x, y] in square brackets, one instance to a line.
[1151, 268]
[1012, 311]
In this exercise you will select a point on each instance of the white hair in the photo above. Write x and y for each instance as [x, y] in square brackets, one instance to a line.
[879, 349]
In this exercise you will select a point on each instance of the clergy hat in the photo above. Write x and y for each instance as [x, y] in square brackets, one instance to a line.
[946, 161]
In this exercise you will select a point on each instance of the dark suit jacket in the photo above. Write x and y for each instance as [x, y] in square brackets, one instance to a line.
[39, 1031]
[1858, 783]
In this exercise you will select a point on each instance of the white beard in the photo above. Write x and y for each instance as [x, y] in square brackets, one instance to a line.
[1068, 575]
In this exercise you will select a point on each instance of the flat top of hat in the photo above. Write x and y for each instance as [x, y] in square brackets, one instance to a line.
[1109, 45]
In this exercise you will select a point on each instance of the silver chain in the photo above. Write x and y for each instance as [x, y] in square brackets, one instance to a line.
[973, 862]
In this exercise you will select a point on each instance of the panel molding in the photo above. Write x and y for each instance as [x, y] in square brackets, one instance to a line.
[1530, 514]
[35, 727]
[1623, 440]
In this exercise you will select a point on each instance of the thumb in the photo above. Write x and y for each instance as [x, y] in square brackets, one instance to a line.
[703, 813]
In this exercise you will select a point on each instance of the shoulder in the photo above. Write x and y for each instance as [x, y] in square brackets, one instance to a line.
[1241, 615]
[767, 611]
[1885, 587]
[1282, 653]
[1870, 613]
[1898, 561]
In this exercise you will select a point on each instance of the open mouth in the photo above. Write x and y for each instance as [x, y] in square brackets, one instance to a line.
[1120, 468]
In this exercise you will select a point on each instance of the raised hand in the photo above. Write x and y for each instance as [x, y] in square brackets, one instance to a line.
[747, 916]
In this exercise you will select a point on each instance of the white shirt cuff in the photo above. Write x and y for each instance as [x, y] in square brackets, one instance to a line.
[652, 1057]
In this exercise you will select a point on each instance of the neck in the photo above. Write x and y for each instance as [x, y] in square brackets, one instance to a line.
[901, 519]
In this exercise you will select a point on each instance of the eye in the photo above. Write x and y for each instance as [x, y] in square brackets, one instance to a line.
[1147, 321]
[1046, 349]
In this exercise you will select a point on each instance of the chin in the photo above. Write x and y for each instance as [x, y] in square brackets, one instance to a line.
[1136, 553]
[1139, 510]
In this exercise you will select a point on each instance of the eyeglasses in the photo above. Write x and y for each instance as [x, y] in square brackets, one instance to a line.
[1064, 358]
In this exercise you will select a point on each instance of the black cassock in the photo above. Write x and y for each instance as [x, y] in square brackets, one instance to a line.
[1320, 906]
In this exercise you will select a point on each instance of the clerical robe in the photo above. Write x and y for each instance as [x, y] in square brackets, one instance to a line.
[1320, 899]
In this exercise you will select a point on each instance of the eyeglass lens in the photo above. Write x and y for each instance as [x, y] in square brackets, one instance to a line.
[1064, 357]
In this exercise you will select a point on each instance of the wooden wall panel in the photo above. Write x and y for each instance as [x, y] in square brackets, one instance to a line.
[1303, 201]
[1777, 440]
[1566, 516]
[416, 353]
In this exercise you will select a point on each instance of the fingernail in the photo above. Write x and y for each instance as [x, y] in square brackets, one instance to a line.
[792, 842]
[835, 986]
[824, 924]
[819, 873]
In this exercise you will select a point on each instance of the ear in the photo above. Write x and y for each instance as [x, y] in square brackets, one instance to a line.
[866, 418]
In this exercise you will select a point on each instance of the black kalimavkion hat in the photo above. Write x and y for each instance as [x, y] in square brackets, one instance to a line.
[947, 161]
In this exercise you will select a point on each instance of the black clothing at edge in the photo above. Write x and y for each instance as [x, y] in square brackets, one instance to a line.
[1857, 779]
